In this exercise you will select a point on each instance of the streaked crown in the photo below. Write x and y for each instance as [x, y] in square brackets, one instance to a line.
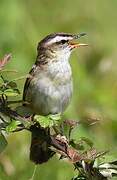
[57, 46]
[58, 39]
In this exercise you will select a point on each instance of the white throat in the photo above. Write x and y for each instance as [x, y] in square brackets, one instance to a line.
[60, 67]
[63, 55]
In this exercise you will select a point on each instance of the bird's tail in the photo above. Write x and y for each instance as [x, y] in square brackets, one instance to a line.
[39, 150]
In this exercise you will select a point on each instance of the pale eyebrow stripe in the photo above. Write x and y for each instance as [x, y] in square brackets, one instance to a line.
[59, 38]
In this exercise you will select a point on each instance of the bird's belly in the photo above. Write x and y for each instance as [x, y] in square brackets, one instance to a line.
[50, 97]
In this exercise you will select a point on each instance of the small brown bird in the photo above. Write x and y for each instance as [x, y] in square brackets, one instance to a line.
[49, 88]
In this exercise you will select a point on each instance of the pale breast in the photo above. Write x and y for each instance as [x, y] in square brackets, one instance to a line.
[51, 90]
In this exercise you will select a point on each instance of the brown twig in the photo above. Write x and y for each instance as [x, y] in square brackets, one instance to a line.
[4, 60]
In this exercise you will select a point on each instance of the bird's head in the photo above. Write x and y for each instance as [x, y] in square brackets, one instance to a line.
[59, 45]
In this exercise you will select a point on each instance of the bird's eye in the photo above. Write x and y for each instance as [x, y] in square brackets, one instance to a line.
[63, 41]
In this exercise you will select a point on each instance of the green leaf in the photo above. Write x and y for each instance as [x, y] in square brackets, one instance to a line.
[1, 81]
[2, 125]
[12, 84]
[11, 92]
[55, 117]
[79, 177]
[87, 141]
[47, 121]
[1, 92]
[44, 121]
[3, 142]
[78, 146]
[108, 169]
[12, 126]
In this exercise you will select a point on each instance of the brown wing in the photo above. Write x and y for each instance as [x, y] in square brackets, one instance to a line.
[28, 80]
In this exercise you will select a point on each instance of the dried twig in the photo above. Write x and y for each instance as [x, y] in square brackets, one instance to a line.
[4, 60]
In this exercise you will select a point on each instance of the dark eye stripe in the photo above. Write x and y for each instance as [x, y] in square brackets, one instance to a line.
[63, 41]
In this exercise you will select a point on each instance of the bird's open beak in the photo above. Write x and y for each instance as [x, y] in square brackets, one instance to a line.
[75, 44]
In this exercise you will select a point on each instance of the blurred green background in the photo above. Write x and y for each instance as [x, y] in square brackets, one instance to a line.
[22, 25]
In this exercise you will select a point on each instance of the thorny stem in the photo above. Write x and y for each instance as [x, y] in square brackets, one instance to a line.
[61, 146]
[7, 111]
